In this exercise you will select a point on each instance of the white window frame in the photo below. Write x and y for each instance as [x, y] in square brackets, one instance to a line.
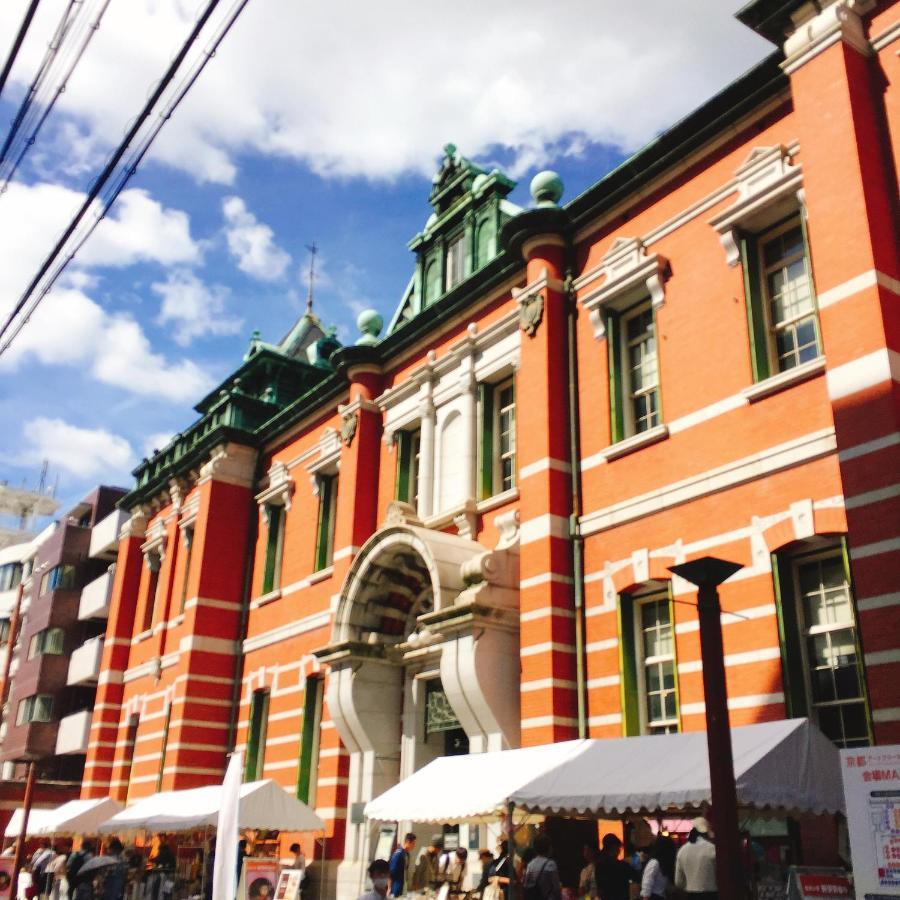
[628, 395]
[807, 630]
[499, 454]
[762, 239]
[642, 661]
[455, 261]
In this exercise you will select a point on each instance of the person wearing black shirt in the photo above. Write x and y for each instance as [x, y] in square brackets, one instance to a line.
[613, 875]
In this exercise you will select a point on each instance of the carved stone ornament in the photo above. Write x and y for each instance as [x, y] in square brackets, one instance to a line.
[348, 429]
[531, 312]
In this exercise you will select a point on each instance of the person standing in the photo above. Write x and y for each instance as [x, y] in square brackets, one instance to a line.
[380, 874]
[400, 866]
[541, 881]
[80, 888]
[613, 875]
[659, 872]
[114, 875]
[587, 881]
[695, 865]
[426, 874]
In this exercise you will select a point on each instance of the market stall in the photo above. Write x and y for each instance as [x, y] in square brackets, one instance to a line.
[788, 765]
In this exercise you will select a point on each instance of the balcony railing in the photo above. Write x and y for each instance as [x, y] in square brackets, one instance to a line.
[74, 732]
[84, 664]
[95, 597]
[105, 535]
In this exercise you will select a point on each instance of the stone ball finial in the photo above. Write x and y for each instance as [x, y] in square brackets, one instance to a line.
[370, 323]
[546, 188]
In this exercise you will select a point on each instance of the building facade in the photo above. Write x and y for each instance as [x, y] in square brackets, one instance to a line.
[457, 537]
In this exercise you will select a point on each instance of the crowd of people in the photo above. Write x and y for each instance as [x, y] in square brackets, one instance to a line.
[658, 872]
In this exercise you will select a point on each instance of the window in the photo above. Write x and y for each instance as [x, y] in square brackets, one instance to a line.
[409, 444]
[37, 708]
[498, 437]
[633, 372]
[165, 748]
[188, 535]
[656, 637]
[274, 548]
[256, 738]
[432, 281]
[649, 686]
[130, 742]
[154, 562]
[47, 642]
[59, 578]
[456, 261]
[781, 304]
[824, 676]
[484, 242]
[10, 576]
[325, 530]
[4, 630]
[309, 741]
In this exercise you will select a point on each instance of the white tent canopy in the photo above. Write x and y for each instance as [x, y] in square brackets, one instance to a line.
[263, 804]
[787, 765]
[74, 817]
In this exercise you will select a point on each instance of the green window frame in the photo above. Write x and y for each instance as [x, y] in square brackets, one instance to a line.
[275, 516]
[59, 578]
[165, 748]
[310, 740]
[325, 529]
[822, 662]
[782, 312]
[154, 562]
[256, 736]
[635, 398]
[47, 642]
[455, 260]
[497, 449]
[36, 708]
[648, 663]
[408, 466]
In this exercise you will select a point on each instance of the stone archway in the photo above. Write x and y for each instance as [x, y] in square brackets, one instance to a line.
[419, 604]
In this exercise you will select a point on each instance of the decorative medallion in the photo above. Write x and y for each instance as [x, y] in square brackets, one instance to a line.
[348, 429]
[531, 312]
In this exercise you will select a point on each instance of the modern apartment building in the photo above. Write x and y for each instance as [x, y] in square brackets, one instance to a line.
[59, 642]
[456, 537]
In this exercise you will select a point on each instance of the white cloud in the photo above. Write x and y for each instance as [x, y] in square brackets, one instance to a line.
[69, 328]
[252, 243]
[157, 441]
[375, 89]
[193, 308]
[85, 452]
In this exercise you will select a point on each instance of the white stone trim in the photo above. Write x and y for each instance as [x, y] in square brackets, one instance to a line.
[729, 617]
[542, 465]
[607, 719]
[867, 447]
[205, 644]
[603, 681]
[876, 548]
[545, 612]
[545, 578]
[784, 380]
[879, 601]
[328, 461]
[881, 657]
[544, 721]
[823, 28]
[628, 445]
[748, 657]
[705, 413]
[630, 274]
[886, 37]
[284, 632]
[757, 465]
[855, 285]
[863, 373]
[886, 714]
[749, 701]
[542, 527]
[600, 646]
[868, 497]
[545, 684]
[546, 647]
[280, 487]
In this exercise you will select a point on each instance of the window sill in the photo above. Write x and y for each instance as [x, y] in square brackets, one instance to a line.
[143, 635]
[635, 442]
[783, 380]
[267, 598]
[492, 502]
[321, 575]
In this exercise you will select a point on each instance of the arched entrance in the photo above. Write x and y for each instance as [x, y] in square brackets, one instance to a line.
[423, 661]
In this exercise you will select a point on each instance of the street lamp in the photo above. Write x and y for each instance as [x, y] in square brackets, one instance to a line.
[708, 573]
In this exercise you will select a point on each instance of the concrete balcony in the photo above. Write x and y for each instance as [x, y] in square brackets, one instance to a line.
[95, 597]
[84, 663]
[73, 733]
[105, 535]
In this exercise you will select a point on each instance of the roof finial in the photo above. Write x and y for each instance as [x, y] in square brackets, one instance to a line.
[313, 249]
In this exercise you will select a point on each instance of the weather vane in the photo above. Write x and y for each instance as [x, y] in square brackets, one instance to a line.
[313, 249]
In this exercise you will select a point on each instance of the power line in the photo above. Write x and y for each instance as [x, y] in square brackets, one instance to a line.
[17, 43]
[41, 85]
[128, 169]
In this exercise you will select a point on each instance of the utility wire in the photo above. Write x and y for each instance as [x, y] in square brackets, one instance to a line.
[41, 95]
[17, 43]
[128, 169]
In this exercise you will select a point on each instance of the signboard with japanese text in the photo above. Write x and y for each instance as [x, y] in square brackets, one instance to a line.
[807, 883]
[872, 795]
[289, 884]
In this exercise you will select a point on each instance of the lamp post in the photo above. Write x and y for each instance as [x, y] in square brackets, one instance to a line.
[708, 573]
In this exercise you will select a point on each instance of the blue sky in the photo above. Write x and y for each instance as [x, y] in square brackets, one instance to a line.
[313, 123]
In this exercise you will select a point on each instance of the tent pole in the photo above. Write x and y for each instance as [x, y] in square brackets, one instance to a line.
[511, 850]
[23, 833]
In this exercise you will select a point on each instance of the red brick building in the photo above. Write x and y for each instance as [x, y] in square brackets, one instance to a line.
[456, 537]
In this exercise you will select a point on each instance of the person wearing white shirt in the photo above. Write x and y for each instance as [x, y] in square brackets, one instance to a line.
[660, 869]
[695, 865]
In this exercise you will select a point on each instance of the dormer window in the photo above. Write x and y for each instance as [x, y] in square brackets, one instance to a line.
[456, 261]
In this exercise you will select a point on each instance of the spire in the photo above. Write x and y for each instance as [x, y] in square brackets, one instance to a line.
[313, 249]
